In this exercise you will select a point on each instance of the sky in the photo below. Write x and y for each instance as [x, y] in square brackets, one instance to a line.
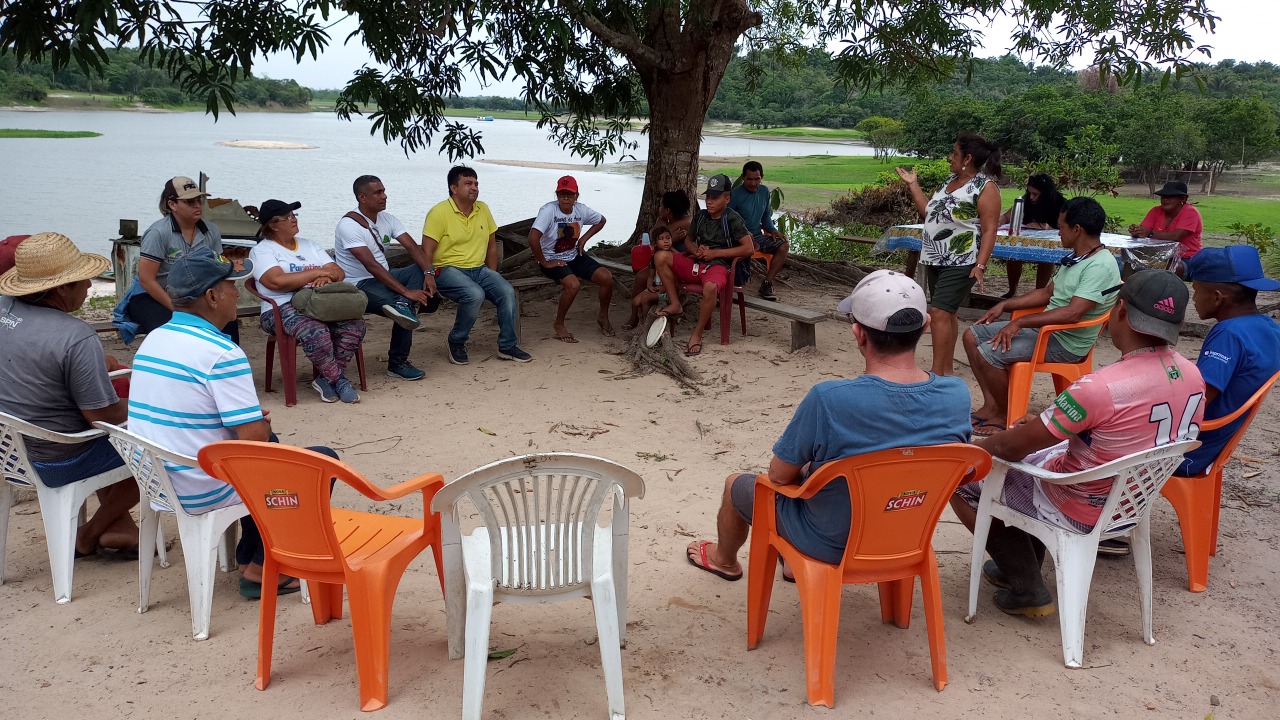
[1245, 33]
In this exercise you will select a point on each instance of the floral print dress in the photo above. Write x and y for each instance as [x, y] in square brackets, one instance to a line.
[951, 231]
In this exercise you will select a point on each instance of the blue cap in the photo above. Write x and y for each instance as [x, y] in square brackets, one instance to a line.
[1238, 264]
[193, 274]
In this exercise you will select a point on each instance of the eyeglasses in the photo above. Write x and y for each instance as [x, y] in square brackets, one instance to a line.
[190, 202]
[285, 217]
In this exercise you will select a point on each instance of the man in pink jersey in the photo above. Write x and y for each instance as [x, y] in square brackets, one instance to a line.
[1152, 396]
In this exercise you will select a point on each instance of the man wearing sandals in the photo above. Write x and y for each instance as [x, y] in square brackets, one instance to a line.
[894, 404]
[1153, 396]
[1082, 289]
[192, 386]
[559, 244]
[717, 235]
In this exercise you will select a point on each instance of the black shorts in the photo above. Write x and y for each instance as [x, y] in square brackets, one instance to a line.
[584, 266]
[949, 286]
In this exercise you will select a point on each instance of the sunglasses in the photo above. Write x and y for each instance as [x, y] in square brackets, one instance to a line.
[191, 202]
[1070, 260]
[282, 218]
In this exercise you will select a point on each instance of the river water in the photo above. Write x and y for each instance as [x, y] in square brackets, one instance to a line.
[82, 187]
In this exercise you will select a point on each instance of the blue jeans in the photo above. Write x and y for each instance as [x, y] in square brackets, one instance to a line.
[379, 295]
[469, 288]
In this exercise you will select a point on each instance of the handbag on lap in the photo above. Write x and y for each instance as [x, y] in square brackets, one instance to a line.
[333, 302]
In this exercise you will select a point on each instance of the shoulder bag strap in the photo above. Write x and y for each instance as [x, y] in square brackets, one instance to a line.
[363, 222]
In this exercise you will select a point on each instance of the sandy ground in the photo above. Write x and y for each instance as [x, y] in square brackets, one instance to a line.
[686, 654]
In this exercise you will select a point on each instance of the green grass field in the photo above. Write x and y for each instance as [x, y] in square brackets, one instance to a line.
[802, 133]
[495, 114]
[813, 181]
[23, 133]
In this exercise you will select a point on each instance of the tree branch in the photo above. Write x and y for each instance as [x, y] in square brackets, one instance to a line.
[637, 52]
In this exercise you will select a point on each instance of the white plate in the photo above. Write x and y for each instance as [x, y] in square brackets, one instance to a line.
[656, 331]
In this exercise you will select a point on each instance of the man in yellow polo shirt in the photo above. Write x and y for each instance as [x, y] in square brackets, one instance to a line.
[459, 236]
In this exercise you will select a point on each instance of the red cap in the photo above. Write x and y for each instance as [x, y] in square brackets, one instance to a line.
[567, 183]
[7, 248]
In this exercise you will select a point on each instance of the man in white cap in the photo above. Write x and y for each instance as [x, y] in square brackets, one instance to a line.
[894, 404]
[1153, 396]
[53, 373]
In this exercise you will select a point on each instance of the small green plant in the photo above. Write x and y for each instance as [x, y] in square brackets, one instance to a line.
[1263, 238]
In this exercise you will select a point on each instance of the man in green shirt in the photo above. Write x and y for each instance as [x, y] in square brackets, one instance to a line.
[1083, 289]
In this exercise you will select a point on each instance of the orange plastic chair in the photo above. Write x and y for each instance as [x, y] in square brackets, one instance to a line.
[287, 492]
[1022, 374]
[897, 496]
[289, 353]
[1198, 500]
[729, 295]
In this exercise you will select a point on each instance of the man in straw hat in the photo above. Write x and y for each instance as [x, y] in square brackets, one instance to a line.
[192, 386]
[894, 404]
[1151, 397]
[53, 373]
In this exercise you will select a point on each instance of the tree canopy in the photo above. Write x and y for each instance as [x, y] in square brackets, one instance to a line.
[588, 66]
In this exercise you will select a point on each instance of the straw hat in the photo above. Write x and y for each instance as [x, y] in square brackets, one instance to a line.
[47, 260]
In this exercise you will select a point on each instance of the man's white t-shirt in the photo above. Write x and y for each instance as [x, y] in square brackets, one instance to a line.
[349, 235]
[561, 230]
[271, 254]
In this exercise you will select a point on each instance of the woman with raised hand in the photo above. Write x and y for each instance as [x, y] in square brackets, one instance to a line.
[960, 223]
[284, 263]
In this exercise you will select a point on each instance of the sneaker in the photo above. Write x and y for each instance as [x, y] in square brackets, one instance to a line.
[766, 291]
[405, 372]
[346, 393]
[1114, 547]
[514, 353]
[326, 391]
[402, 315]
[994, 574]
[1030, 604]
[458, 353]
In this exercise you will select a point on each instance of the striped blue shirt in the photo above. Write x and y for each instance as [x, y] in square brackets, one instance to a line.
[191, 385]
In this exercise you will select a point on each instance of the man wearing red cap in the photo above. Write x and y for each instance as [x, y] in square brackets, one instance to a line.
[559, 246]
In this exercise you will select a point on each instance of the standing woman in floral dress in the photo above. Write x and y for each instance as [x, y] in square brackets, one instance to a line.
[959, 234]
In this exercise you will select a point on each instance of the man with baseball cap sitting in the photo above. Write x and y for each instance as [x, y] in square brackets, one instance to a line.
[1151, 397]
[894, 404]
[53, 373]
[1242, 351]
[717, 235]
[193, 386]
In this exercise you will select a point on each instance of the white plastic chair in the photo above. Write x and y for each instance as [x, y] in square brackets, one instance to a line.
[61, 508]
[207, 538]
[541, 542]
[1139, 477]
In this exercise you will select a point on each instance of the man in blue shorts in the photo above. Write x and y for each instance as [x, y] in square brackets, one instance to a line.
[559, 245]
[1083, 289]
[751, 200]
[53, 373]
[895, 404]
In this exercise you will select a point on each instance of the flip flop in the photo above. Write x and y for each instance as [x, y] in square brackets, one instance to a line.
[567, 338]
[706, 564]
[253, 590]
[79, 555]
[988, 428]
[606, 329]
[693, 349]
[975, 421]
[129, 553]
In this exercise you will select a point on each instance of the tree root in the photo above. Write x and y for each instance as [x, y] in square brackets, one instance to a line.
[665, 357]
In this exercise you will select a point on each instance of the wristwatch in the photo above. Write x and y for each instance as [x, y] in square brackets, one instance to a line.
[981, 267]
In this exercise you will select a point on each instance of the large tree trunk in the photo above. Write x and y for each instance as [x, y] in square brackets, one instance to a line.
[679, 90]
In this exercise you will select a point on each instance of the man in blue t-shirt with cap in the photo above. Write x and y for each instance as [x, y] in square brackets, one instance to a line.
[1242, 351]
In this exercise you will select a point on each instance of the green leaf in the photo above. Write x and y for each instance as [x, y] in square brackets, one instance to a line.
[502, 654]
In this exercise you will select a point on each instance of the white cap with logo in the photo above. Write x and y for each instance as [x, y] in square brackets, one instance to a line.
[888, 301]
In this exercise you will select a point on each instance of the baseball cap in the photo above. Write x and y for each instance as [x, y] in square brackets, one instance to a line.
[272, 209]
[1156, 301]
[1238, 264]
[8, 247]
[193, 274]
[567, 183]
[182, 188]
[886, 300]
[718, 185]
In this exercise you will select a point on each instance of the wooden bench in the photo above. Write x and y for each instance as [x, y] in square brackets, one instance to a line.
[804, 332]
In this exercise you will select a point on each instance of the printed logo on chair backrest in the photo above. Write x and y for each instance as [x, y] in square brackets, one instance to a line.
[282, 500]
[906, 501]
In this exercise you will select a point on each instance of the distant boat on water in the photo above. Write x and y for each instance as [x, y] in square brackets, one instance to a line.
[485, 118]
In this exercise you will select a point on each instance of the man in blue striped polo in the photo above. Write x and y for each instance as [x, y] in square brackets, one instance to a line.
[193, 386]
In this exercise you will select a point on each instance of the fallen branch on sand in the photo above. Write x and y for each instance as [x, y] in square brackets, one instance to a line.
[667, 357]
